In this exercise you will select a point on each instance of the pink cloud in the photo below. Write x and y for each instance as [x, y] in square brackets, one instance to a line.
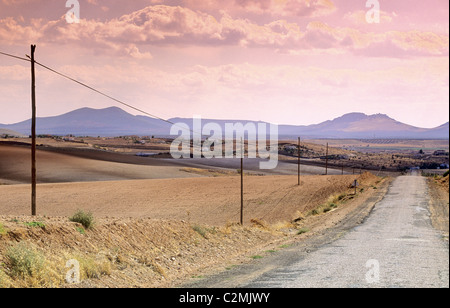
[172, 26]
[283, 8]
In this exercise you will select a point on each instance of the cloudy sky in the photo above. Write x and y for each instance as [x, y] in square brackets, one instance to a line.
[282, 61]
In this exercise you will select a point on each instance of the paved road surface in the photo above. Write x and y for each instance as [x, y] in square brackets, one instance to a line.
[395, 247]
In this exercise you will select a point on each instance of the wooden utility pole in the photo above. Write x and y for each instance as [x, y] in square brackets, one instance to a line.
[242, 182]
[33, 134]
[326, 164]
[299, 161]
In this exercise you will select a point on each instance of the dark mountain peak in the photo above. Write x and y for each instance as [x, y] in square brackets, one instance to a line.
[350, 117]
[87, 110]
[354, 115]
[381, 116]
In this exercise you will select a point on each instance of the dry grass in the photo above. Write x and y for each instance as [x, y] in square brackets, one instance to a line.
[331, 204]
[117, 253]
[3, 230]
[27, 266]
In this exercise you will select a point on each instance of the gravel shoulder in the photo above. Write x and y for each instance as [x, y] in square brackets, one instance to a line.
[439, 204]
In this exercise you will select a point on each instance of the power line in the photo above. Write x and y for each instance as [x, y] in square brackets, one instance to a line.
[92, 89]
[102, 93]
[15, 57]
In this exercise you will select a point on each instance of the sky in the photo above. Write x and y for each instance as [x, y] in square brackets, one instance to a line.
[294, 62]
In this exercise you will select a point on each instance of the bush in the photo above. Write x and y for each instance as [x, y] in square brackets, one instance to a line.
[446, 173]
[85, 219]
[24, 260]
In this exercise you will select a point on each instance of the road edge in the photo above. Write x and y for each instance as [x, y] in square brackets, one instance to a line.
[293, 249]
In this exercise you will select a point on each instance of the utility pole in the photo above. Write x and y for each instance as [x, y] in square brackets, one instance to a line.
[33, 133]
[326, 164]
[242, 182]
[299, 160]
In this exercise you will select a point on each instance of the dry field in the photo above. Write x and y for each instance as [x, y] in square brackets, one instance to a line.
[386, 144]
[212, 201]
[160, 233]
[87, 165]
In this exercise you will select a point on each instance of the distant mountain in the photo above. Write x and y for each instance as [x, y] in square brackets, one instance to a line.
[360, 125]
[9, 132]
[116, 122]
[94, 122]
[442, 130]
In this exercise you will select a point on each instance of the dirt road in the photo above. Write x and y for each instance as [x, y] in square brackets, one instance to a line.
[396, 246]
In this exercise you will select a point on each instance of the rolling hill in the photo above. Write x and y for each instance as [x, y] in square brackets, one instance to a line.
[116, 122]
[94, 122]
[8, 132]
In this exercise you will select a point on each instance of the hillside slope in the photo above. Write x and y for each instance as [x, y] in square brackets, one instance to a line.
[116, 122]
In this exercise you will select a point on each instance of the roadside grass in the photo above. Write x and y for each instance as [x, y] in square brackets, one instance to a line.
[303, 231]
[26, 266]
[94, 269]
[3, 230]
[332, 203]
[204, 231]
[257, 257]
[284, 246]
[81, 230]
[35, 224]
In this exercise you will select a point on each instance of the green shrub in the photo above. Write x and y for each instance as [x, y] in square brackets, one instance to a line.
[83, 218]
[446, 173]
[35, 224]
